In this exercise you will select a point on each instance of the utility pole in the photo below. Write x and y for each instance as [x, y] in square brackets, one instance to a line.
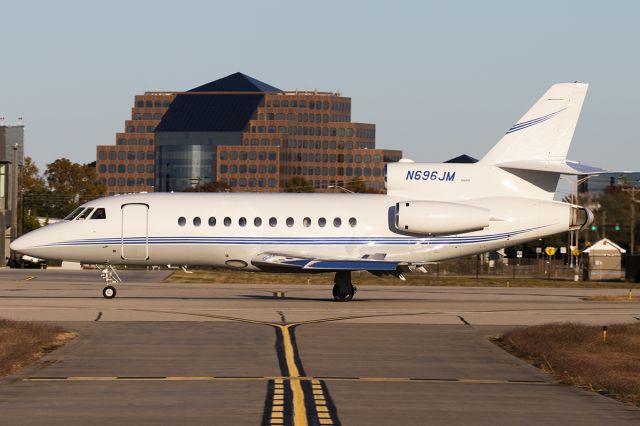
[633, 192]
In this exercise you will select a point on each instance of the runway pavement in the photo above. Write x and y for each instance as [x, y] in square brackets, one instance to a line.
[286, 354]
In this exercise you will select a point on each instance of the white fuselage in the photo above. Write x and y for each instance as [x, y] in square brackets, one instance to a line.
[162, 228]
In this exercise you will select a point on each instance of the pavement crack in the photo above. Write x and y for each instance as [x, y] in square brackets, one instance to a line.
[283, 319]
[98, 317]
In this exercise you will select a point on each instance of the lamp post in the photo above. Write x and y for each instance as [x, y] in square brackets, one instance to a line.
[14, 198]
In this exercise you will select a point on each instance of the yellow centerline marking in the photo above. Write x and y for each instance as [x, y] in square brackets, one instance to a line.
[299, 410]
[28, 278]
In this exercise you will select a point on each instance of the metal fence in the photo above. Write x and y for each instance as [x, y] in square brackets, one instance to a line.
[543, 267]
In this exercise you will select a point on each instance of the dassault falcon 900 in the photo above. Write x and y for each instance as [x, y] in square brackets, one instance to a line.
[431, 212]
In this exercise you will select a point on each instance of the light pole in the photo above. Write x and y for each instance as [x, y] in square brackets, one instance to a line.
[14, 198]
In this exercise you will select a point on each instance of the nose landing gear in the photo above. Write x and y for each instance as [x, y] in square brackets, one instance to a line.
[110, 277]
[343, 289]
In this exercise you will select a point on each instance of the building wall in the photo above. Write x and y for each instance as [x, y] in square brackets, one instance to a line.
[290, 134]
[10, 135]
[129, 165]
[313, 137]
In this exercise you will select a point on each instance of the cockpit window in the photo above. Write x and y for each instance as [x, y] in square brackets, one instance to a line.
[85, 214]
[99, 214]
[74, 213]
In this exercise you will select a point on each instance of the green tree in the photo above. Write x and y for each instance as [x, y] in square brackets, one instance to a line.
[298, 184]
[356, 185]
[30, 176]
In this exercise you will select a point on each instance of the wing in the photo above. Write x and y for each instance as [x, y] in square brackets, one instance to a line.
[289, 262]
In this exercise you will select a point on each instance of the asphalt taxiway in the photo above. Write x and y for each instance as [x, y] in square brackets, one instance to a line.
[286, 354]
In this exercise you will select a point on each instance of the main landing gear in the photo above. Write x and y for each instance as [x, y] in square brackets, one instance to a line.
[110, 277]
[343, 289]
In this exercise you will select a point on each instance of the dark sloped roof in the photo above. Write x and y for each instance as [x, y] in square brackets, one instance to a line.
[464, 158]
[237, 82]
[209, 113]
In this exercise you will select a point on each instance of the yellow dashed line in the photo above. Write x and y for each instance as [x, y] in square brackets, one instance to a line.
[28, 278]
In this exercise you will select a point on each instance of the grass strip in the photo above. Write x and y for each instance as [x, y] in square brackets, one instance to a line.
[23, 343]
[580, 355]
[224, 276]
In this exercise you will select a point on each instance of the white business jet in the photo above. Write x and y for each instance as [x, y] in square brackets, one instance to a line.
[431, 212]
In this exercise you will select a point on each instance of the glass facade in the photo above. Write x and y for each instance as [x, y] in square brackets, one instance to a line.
[179, 167]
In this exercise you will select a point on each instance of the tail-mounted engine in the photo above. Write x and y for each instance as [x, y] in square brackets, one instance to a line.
[434, 217]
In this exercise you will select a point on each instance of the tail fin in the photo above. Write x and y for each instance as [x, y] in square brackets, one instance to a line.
[544, 133]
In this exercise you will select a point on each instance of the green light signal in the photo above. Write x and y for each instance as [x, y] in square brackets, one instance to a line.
[594, 228]
[617, 227]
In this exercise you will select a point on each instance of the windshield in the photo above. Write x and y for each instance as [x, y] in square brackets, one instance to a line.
[74, 213]
[85, 213]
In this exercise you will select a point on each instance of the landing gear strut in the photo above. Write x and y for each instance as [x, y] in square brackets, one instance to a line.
[110, 277]
[343, 289]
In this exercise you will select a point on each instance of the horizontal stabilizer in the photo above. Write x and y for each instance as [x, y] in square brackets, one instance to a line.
[564, 167]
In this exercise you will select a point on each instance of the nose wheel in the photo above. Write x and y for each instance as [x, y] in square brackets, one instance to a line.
[109, 292]
[343, 289]
[110, 277]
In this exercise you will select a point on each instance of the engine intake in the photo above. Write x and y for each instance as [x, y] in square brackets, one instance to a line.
[433, 217]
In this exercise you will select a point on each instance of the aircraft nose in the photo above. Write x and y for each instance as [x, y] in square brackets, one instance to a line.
[20, 244]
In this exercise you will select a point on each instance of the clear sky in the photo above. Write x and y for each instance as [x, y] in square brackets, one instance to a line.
[437, 78]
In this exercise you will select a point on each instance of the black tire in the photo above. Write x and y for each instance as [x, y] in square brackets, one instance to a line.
[109, 292]
[343, 296]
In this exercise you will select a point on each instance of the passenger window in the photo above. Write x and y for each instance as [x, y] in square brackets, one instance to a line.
[273, 222]
[242, 221]
[227, 221]
[322, 222]
[74, 213]
[212, 221]
[306, 222]
[353, 222]
[289, 222]
[85, 213]
[182, 221]
[337, 222]
[196, 221]
[257, 222]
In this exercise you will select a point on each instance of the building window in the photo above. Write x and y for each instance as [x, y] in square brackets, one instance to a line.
[223, 155]
[102, 168]
[111, 181]
[121, 168]
[150, 182]
[140, 155]
[182, 221]
[223, 168]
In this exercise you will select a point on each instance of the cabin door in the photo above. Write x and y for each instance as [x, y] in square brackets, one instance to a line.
[135, 231]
